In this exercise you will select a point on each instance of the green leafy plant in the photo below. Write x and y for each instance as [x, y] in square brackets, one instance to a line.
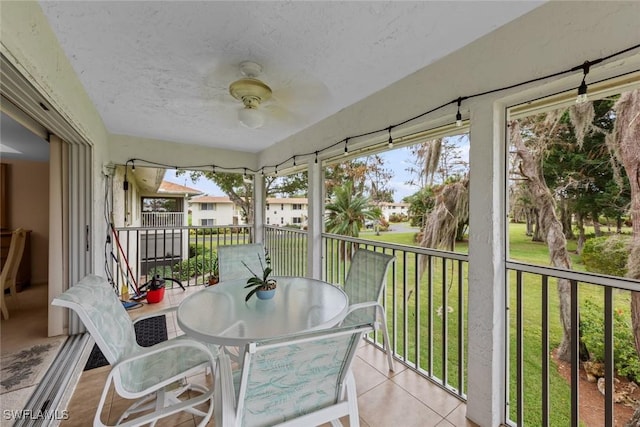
[259, 283]
[625, 358]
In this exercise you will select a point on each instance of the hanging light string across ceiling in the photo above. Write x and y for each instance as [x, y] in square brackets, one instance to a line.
[582, 93]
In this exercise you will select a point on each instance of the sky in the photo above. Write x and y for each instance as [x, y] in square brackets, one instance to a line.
[397, 160]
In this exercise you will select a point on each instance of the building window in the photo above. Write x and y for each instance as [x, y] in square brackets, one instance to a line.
[267, 206]
[281, 220]
[281, 206]
[207, 206]
[208, 222]
[297, 207]
[296, 220]
[268, 220]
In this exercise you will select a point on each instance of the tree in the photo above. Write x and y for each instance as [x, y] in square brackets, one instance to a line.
[624, 142]
[537, 131]
[347, 213]
[367, 175]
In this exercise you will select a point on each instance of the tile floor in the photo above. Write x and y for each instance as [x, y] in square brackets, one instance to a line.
[400, 398]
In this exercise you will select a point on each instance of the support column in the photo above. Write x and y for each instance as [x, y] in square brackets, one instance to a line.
[258, 208]
[487, 294]
[315, 220]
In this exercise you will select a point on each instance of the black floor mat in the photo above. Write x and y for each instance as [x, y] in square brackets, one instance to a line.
[148, 332]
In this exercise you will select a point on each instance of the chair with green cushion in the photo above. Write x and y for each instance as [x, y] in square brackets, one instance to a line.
[156, 375]
[302, 380]
[232, 257]
[364, 285]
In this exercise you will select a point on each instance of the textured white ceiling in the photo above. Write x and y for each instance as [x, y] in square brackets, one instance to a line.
[162, 69]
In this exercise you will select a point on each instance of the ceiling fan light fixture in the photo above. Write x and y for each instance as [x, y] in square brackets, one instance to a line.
[251, 118]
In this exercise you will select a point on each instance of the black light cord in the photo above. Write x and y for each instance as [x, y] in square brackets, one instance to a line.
[584, 67]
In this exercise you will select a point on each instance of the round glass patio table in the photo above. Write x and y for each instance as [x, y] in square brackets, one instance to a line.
[219, 314]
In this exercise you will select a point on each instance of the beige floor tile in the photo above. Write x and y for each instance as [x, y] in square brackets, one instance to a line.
[427, 392]
[458, 418]
[366, 377]
[378, 360]
[390, 405]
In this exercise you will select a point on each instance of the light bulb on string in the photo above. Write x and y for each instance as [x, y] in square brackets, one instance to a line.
[316, 160]
[458, 114]
[582, 89]
[346, 147]
[294, 161]
[133, 165]
[390, 143]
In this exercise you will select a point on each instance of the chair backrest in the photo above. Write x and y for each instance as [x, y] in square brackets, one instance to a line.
[14, 256]
[287, 378]
[231, 258]
[102, 313]
[366, 277]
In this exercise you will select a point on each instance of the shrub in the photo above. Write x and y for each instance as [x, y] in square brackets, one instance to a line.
[607, 254]
[625, 358]
[160, 270]
[397, 217]
[198, 265]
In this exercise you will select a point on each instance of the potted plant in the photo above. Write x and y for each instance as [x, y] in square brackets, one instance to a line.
[214, 277]
[262, 286]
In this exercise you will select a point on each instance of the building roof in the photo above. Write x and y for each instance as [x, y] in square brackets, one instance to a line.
[288, 200]
[173, 188]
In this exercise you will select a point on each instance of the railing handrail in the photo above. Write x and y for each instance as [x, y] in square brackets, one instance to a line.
[287, 229]
[399, 247]
[183, 227]
[580, 276]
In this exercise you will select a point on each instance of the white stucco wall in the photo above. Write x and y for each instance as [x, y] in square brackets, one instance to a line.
[223, 213]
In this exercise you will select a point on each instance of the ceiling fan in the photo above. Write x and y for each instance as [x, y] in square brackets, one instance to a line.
[252, 92]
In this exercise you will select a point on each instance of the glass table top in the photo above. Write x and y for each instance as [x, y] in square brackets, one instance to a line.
[219, 314]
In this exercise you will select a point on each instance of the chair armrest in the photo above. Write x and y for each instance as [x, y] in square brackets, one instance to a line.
[166, 345]
[225, 394]
[361, 305]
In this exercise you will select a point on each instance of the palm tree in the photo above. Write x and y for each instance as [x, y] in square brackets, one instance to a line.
[347, 213]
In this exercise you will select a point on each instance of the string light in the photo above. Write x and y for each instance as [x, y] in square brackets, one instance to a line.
[213, 169]
[582, 90]
[582, 97]
[133, 166]
[262, 171]
[245, 174]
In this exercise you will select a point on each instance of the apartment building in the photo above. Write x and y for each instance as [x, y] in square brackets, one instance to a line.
[287, 211]
[214, 210]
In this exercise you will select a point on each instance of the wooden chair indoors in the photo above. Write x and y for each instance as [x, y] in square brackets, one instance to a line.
[10, 268]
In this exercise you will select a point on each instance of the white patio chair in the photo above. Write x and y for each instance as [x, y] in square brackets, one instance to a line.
[231, 258]
[303, 380]
[154, 375]
[10, 268]
[364, 285]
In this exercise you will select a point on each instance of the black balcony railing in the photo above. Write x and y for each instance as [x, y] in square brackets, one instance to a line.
[426, 302]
